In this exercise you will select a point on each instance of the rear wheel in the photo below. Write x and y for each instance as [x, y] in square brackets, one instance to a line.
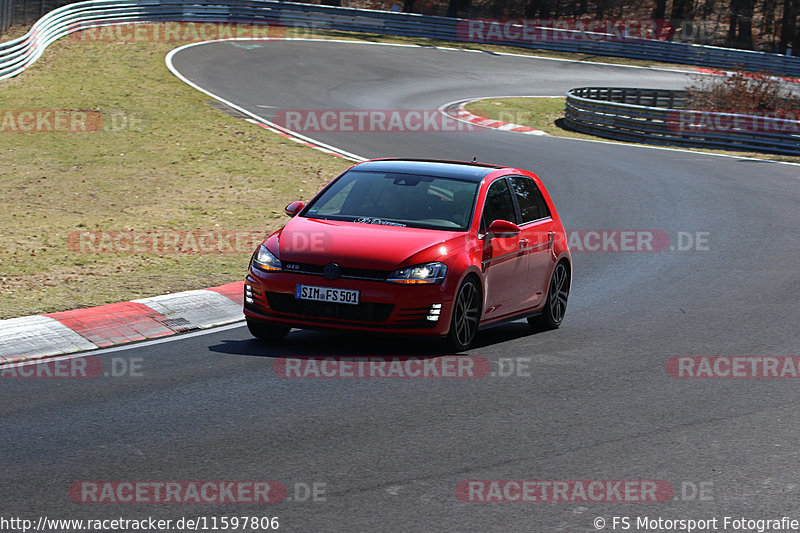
[267, 332]
[466, 314]
[556, 305]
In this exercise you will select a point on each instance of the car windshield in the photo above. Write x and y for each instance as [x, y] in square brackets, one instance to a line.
[395, 199]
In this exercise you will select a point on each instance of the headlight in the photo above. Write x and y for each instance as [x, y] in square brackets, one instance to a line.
[429, 273]
[266, 260]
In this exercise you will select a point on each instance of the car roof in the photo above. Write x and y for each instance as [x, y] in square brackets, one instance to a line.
[430, 167]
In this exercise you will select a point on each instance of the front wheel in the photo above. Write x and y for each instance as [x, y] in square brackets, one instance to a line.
[466, 314]
[267, 332]
[556, 305]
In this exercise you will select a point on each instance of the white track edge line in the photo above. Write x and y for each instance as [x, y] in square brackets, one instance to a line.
[177, 74]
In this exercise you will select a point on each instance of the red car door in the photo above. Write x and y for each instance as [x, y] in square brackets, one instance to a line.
[504, 265]
[537, 236]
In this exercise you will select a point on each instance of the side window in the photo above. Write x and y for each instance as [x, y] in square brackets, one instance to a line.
[531, 202]
[499, 205]
[525, 191]
[544, 211]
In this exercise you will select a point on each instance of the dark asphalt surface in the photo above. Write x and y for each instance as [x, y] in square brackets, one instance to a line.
[595, 401]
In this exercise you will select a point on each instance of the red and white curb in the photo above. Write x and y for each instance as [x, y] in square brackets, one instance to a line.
[32, 337]
[458, 111]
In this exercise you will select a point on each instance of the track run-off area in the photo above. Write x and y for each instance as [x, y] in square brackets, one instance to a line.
[599, 399]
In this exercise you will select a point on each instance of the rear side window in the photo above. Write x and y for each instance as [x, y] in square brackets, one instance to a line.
[499, 204]
[532, 205]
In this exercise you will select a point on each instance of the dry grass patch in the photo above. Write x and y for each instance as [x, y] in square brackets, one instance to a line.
[183, 166]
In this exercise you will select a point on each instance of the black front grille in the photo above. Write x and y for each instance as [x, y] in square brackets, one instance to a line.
[364, 273]
[363, 312]
[345, 272]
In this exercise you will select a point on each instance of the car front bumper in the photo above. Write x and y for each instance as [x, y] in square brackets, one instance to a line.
[383, 307]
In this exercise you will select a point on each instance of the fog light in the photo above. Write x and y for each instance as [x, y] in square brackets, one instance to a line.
[434, 312]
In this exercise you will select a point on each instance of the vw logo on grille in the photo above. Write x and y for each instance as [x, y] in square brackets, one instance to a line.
[331, 271]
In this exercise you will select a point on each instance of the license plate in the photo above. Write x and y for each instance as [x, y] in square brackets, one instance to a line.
[326, 294]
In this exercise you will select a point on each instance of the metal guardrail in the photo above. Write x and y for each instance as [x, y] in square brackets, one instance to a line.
[657, 116]
[20, 53]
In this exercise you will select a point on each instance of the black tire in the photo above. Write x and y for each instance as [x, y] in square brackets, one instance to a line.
[466, 315]
[267, 332]
[556, 305]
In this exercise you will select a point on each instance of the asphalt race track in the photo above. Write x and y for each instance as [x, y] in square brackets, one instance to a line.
[595, 401]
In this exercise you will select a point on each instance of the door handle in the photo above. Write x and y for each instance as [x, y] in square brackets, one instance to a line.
[523, 243]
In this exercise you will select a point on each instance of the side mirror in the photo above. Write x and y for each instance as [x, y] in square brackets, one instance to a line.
[502, 229]
[293, 208]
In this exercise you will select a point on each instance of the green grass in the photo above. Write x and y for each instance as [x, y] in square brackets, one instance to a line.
[13, 32]
[185, 167]
[547, 114]
[539, 113]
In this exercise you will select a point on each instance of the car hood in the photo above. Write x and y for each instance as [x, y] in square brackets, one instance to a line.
[356, 245]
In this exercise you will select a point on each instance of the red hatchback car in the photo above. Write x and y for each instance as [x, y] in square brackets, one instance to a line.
[417, 247]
